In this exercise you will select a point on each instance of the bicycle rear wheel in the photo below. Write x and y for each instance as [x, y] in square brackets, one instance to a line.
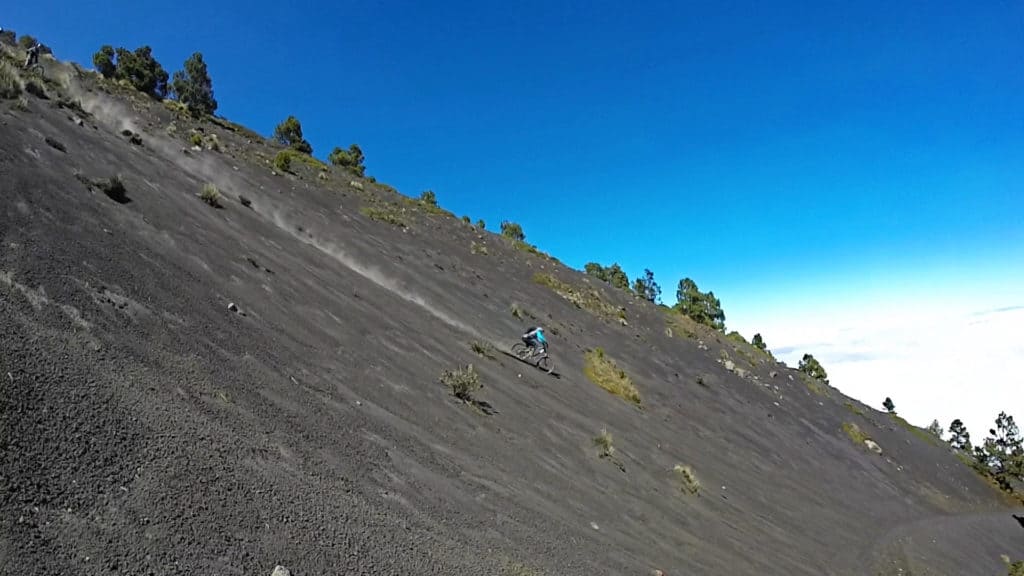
[520, 350]
[546, 364]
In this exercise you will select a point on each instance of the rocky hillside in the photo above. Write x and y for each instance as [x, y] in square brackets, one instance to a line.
[209, 365]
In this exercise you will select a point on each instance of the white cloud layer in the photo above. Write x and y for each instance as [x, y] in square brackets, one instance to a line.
[934, 359]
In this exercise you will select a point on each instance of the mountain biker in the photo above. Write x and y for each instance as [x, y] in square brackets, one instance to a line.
[534, 338]
[33, 55]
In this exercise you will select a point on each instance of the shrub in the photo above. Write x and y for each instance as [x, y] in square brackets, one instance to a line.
[935, 429]
[389, 214]
[428, 197]
[688, 481]
[196, 139]
[856, 435]
[603, 371]
[141, 70]
[647, 288]
[210, 195]
[485, 349]
[513, 231]
[283, 161]
[612, 274]
[462, 381]
[702, 307]
[588, 299]
[114, 188]
[810, 366]
[351, 159]
[466, 220]
[103, 60]
[289, 133]
[758, 342]
[194, 88]
[959, 437]
[8, 37]
[518, 311]
[481, 224]
[10, 84]
[603, 441]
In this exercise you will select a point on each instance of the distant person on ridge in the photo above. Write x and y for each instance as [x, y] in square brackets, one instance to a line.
[33, 55]
[534, 338]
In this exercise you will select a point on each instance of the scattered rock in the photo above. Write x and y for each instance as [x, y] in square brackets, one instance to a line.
[730, 365]
[245, 201]
[232, 307]
[873, 446]
[135, 139]
[356, 185]
[281, 571]
[595, 526]
[56, 144]
[126, 132]
[78, 121]
[773, 374]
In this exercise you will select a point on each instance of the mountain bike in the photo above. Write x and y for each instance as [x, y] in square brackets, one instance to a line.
[533, 356]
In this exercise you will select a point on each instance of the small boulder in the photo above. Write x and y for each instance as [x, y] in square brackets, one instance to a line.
[773, 374]
[873, 446]
[232, 307]
[281, 571]
[356, 184]
[730, 365]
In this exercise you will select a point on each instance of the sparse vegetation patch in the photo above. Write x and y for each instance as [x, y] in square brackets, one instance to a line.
[588, 299]
[210, 195]
[10, 84]
[389, 213]
[485, 349]
[856, 435]
[605, 447]
[688, 482]
[603, 371]
[463, 382]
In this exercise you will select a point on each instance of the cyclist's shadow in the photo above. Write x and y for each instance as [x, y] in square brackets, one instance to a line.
[553, 373]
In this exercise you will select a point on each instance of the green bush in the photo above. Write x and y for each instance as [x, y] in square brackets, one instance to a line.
[703, 307]
[390, 214]
[466, 220]
[351, 159]
[463, 382]
[194, 88]
[810, 366]
[196, 139]
[485, 349]
[103, 60]
[428, 197]
[210, 195]
[758, 343]
[603, 371]
[139, 68]
[9, 38]
[10, 84]
[283, 161]
[613, 274]
[289, 133]
[647, 288]
[481, 224]
[513, 231]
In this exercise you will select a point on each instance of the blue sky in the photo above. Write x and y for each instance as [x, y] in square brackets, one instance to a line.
[821, 156]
